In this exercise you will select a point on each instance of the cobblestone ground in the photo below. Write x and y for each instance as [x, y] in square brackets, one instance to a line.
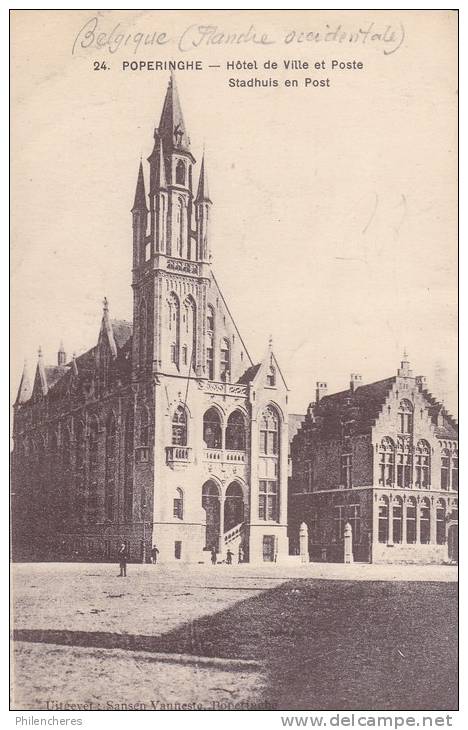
[218, 636]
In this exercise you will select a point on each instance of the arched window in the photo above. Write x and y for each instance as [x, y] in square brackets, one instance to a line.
[445, 469]
[190, 331]
[405, 416]
[397, 517]
[268, 505]
[179, 427]
[441, 537]
[128, 468]
[110, 464]
[269, 432]
[387, 462]
[411, 521]
[425, 521]
[423, 464]
[271, 376]
[93, 441]
[80, 447]
[404, 463]
[178, 510]
[354, 519]
[212, 431]
[144, 426]
[180, 218]
[174, 327]
[143, 325]
[455, 471]
[180, 173]
[383, 519]
[225, 362]
[66, 450]
[235, 432]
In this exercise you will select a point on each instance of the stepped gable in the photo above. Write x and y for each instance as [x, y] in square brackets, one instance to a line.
[295, 421]
[449, 428]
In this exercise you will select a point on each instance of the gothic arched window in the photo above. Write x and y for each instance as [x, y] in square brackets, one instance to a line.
[387, 461]
[212, 431]
[440, 522]
[235, 432]
[445, 469]
[179, 427]
[405, 416]
[268, 504]
[190, 333]
[93, 443]
[174, 327]
[143, 324]
[397, 517]
[404, 463]
[110, 464]
[455, 471]
[425, 521]
[411, 521]
[128, 467]
[423, 464]
[225, 362]
[180, 173]
[383, 519]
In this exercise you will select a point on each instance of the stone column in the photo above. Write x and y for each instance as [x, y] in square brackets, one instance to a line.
[221, 523]
[403, 522]
[348, 543]
[433, 527]
[418, 522]
[375, 520]
[304, 543]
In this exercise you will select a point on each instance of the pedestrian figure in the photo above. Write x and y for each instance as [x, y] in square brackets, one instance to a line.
[123, 557]
[154, 554]
[229, 556]
[241, 554]
[214, 557]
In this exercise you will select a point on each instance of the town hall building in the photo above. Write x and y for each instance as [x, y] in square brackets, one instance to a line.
[165, 432]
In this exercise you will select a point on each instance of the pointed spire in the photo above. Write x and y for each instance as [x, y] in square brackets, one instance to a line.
[203, 192]
[41, 371]
[24, 390]
[106, 326]
[172, 126]
[140, 195]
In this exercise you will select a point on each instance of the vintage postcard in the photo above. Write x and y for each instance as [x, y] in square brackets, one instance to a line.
[234, 466]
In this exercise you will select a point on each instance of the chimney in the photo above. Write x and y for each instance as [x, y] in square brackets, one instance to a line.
[355, 381]
[320, 391]
[61, 356]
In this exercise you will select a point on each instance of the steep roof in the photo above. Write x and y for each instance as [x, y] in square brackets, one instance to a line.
[122, 331]
[140, 195]
[25, 388]
[249, 374]
[203, 192]
[361, 407]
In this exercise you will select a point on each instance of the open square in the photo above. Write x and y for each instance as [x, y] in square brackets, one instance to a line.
[235, 637]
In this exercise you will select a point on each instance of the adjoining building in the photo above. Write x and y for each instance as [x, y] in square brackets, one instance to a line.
[383, 457]
[165, 432]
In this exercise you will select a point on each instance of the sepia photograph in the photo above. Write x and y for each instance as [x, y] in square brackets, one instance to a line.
[233, 363]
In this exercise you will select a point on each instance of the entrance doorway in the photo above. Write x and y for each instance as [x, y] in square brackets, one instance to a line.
[452, 540]
[211, 505]
[233, 506]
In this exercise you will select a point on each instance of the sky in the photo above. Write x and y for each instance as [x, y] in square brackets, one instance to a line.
[334, 225]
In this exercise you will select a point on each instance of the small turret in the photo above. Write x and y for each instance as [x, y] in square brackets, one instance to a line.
[140, 216]
[202, 215]
[24, 390]
[61, 356]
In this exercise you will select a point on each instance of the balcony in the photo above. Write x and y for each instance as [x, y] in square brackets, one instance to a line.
[178, 455]
[225, 455]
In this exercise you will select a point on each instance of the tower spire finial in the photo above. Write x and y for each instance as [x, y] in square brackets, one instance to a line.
[139, 204]
[105, 305]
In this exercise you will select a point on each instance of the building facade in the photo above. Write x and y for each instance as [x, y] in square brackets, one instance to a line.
[383, 457]
[165, 432]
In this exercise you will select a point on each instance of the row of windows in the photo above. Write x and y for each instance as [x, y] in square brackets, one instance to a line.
[391, 516]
